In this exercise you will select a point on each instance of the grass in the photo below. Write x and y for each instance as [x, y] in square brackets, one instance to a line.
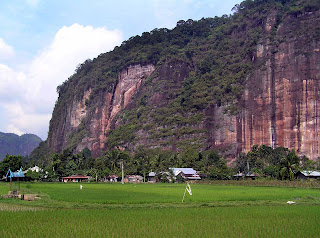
[155, 210]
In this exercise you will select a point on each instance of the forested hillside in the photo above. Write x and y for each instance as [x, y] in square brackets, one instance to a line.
[13, 144]
[224, 83]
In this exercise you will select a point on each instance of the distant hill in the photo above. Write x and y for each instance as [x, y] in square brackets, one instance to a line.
[17, 145]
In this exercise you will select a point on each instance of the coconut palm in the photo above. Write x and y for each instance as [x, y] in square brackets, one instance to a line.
[289, 165]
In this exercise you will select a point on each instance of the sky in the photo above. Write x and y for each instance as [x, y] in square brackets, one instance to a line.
[43, 41]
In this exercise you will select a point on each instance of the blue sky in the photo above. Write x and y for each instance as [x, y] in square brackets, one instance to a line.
[42, 42]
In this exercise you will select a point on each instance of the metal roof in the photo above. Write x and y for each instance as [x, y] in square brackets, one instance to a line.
[176, 171]
[18, 174]
[152, 174]
[311, 173]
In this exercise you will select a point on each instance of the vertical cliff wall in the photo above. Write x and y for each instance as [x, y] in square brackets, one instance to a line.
[87, 127]
[277, 103]
[280, 105]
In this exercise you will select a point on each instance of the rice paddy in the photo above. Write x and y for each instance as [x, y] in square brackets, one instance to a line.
[155, 210]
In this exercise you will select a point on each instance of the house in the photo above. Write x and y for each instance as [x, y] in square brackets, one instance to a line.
[151, 177]
[247, 176]
[308, 175]
[75, 178]
[186, 173]
[133, 179]
[35, 169]
[112, 178]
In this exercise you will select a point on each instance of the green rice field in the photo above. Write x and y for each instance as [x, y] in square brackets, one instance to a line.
[156, 210]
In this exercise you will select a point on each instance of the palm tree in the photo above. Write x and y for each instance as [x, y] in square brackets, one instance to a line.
[289, 165]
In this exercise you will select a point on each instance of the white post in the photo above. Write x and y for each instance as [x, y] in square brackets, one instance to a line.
[122, 172]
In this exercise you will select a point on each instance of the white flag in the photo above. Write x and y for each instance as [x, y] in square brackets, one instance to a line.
[189, 189]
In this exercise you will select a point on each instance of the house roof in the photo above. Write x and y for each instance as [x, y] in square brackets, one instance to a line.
[311, 173]
[152, 174]
[113, 176]
[134, 176]
[18, 174]
[249, 174]
[176, 171]
[77, 177]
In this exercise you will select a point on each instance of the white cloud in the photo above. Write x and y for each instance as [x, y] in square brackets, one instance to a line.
[33, 3]
[28, 97]
[6, 51]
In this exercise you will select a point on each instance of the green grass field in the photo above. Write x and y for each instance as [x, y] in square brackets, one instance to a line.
[155, 210]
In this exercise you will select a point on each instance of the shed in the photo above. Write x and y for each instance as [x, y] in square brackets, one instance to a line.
[308, 175]
[152, 177]
[247, 176]
[14, 175]
[75, 178]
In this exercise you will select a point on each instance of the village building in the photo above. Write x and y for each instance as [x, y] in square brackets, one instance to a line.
[247, 176]
[151, 177]
[112, 178]
[133, 179]
[34, 169]
[75, 178]
[313, 175]
[186, 173]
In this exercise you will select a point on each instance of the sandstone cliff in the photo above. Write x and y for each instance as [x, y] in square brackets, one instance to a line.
[210, 97]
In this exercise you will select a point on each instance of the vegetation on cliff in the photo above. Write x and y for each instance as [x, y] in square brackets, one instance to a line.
[215, 57]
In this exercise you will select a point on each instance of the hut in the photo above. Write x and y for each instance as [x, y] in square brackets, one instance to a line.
[152, 177]
[75, 178]
[312, 175]
[14, 176]
[247, 176]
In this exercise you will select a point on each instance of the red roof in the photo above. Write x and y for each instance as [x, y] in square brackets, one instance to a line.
[113, 176]
[77, 177]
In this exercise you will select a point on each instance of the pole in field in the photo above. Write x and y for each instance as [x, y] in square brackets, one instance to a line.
[122, 172]
[188, 188]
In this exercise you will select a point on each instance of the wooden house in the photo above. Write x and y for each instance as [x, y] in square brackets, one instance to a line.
[75, 178]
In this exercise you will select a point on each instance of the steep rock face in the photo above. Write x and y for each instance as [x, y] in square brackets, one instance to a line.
[280, 105]
[98, 121]
[70, 120]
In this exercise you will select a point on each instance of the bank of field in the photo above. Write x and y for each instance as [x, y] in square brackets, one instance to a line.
[155, 210]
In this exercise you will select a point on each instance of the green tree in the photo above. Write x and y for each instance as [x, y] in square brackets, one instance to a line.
[14, 162]
[289, 165]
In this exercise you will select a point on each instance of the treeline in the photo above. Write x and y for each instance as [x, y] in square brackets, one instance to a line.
[280, 163]
[141, 163]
